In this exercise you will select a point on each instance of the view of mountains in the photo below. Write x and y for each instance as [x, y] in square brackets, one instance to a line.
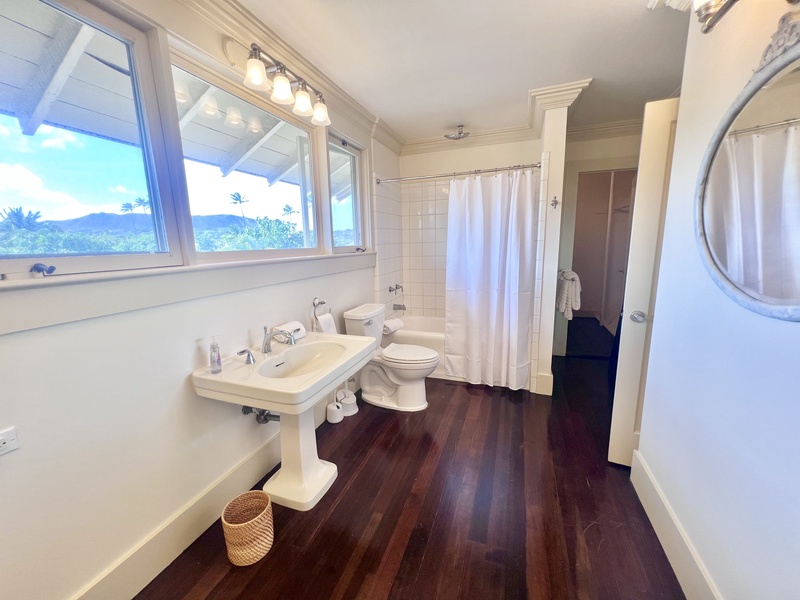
[132, 223]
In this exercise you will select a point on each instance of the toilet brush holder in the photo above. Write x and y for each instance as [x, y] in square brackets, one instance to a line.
[335, 412]
[348, 401]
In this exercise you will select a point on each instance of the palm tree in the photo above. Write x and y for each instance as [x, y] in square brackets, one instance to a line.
[15, 218]
[142, 203]
[288, 211]
[127, 207]
[237, 198]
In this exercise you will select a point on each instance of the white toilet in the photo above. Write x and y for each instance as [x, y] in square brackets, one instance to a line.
[395, 376]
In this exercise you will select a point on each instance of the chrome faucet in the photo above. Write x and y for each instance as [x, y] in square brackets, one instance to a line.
[288, 338]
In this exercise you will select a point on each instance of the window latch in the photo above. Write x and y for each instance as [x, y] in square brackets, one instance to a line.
[43, 269]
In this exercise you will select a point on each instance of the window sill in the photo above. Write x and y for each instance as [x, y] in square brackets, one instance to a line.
[40, 302]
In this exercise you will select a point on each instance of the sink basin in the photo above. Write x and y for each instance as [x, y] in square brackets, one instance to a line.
[302, 360]
[291, 379]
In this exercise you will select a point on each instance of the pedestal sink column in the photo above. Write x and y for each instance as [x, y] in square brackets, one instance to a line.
[303, 478]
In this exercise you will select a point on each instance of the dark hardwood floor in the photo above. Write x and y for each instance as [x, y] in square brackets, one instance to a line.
[487, 494]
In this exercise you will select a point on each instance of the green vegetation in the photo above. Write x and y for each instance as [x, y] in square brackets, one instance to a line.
[23, 234]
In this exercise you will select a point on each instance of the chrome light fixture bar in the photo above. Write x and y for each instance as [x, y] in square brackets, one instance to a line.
[710, 12]
[260, 65]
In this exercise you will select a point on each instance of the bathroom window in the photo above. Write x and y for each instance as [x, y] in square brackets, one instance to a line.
[79, 189]
[248, 173]
[345, 197]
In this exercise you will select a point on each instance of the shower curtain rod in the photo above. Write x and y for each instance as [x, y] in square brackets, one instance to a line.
[476, 172]
[767, 126]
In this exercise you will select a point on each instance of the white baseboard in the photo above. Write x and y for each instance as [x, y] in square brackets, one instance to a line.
[692, 574]
[544, 383]
[133, 571]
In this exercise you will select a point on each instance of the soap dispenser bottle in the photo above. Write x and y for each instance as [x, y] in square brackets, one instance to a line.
[215, 360]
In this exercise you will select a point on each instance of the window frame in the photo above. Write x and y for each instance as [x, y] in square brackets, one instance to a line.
[359, 218]
[145, 51]
[218, 79]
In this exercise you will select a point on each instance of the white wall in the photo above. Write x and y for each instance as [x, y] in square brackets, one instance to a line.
[114, 442]
[719, 439]
[470, 158]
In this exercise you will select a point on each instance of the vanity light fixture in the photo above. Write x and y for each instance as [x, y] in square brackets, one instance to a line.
[302, 101]
[320, 112]
[710, 12]
[260, 65]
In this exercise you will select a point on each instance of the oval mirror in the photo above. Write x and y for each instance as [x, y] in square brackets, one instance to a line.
[748, 197]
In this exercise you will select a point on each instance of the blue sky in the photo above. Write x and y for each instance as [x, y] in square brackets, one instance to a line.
[65, 175]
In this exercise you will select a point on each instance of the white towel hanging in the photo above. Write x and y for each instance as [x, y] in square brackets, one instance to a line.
[568, 296]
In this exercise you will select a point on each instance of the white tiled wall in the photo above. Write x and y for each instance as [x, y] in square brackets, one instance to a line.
[424, 210]
[389, 245]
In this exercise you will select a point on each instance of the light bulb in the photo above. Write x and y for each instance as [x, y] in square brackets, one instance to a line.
[210, 109]
[254, 125]
[256, 78]
[233, 117]
[281, 89]
[320, 113]
[302, 103]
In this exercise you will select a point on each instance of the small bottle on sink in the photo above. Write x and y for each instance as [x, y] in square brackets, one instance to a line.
[215, 360]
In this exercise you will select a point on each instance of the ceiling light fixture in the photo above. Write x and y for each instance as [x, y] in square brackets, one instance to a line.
[458, 136]
[710, 12]
[260, 64]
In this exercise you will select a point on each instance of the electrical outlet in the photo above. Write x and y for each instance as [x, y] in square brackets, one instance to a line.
[8, 440]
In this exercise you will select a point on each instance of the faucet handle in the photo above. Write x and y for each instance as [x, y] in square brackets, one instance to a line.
[249, 358]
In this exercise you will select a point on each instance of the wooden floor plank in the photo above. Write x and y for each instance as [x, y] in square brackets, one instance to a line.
[488, 493]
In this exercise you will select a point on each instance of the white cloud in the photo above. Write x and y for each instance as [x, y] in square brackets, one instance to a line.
[19, 186]
[121, 189]
[58, 138]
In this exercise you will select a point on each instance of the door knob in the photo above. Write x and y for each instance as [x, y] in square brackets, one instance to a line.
[638, 316]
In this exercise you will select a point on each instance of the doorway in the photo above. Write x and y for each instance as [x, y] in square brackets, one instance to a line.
[602, 240]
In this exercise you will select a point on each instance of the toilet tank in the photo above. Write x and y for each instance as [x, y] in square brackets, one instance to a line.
[367, 320]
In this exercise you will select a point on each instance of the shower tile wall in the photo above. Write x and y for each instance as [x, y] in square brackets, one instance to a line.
[389, 245]
[424, 221]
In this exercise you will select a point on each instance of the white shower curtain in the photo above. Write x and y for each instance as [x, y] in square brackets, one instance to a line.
[491, 262]
[752, 212]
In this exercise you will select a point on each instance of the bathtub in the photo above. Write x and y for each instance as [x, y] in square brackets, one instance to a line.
[422, 331]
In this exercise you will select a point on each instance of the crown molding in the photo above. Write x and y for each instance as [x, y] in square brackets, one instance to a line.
[486, 138]
[605, 131]
[543, 99]
[235, 22]
[387, 136]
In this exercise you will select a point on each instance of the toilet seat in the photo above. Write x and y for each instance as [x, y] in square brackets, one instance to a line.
[407, 354]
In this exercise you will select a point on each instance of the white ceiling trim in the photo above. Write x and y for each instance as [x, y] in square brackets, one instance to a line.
[543, 99]
[486, 138]
[605, 131]
[387, 136]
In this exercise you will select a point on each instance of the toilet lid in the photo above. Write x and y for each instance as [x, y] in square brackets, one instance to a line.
[406, 353]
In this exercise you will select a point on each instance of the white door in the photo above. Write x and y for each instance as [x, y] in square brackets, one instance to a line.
[655, 162]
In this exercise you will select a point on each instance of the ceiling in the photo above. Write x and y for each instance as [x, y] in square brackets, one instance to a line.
[426, 66]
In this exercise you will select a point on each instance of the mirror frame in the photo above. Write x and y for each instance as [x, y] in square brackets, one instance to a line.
[783, 50]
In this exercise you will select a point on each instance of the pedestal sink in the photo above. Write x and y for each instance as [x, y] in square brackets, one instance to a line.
[290, 381]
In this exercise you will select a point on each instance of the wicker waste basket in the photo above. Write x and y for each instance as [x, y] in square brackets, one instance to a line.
[247, 524]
